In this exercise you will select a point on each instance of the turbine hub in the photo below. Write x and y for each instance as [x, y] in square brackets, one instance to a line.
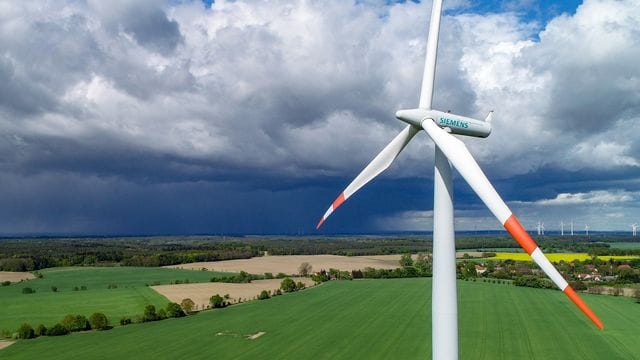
[459, 125]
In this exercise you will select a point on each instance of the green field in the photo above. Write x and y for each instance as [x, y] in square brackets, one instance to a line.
[625, 245]
[557, 257]
[367, 319]
[128, 299]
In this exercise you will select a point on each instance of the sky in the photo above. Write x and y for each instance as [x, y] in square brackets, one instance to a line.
[250, 117]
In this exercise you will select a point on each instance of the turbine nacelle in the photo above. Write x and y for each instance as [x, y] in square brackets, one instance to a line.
[459, 125]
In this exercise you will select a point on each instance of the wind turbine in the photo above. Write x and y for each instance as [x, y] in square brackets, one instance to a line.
[586, 229]
[440, 126]
[634, 227]
[571, 227]
[562, 227]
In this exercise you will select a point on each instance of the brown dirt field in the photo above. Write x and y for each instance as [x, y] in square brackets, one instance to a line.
[200, 293]
[5, 343]
[289, 264]
[15, 276]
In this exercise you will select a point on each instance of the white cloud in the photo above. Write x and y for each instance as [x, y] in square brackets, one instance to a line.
[596, 197]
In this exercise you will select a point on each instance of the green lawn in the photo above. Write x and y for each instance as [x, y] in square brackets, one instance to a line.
[368, 319]
[48, 307]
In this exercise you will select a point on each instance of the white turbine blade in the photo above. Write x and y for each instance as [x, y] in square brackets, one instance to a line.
[428, 77]
[375, 167]
[463, 161]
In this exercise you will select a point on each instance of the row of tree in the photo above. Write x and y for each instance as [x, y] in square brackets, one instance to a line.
[70, 323]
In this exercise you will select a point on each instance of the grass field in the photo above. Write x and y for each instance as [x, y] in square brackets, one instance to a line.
[625, 245]
[367, 319]
[557, 257]
[48, 307]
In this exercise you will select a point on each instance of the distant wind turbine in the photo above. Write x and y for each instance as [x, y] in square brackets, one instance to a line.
[562, 227]
[586, 229]
[571, 227]
[450, 151]
[634, 227]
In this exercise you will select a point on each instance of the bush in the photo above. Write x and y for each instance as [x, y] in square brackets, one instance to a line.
[83, 288]
[125, 321]
[41, 330]
[268, 275]
[187, 305]
[162, 314]
[25, 331]
[54, 288]
[300, 285]
[57, 330]
[174, 310]
[304, 269]
[264, 294]
[99, 321]
[217, 301]
[281, 275]
[75, 323]
[6, 283]
[288, 285]
[28, 290]
[149, 314]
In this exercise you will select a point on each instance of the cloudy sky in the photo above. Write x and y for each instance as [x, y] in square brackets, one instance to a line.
[182, 117]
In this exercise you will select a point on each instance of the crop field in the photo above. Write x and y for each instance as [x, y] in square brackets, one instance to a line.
[200, 293]
[625, 245]
[367, 319]
[14, 276]
[289, 264]
[557, 257]
[127, 296]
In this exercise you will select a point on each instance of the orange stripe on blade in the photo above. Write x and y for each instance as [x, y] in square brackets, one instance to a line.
[338, 201]
[582, 306]
[320, 223]
[521, 235]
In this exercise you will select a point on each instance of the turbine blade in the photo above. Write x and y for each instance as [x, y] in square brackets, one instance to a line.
[463, 161]
[380, 163]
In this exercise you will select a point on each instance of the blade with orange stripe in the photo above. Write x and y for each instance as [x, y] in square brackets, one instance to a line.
[463, 161]
[380, 163]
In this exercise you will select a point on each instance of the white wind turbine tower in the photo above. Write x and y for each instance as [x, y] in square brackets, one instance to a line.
[539, 228]
[542, 228]
[450, 151]
[562, 227]
[571, 227]
[634, 227]
[586, 229]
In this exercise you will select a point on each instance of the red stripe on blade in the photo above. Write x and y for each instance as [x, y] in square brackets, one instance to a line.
[320, 223]
[582, 306]
[338, 201]
[521, 235]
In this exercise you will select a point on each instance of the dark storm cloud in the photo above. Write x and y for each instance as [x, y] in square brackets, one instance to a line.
[251, 116]
[145, 21]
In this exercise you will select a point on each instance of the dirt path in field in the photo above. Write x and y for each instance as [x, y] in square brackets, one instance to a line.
[15, 276]
[289, 264]
[200, 293]
[5, 343]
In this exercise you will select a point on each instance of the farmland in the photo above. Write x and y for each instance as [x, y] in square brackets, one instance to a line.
[200, 293]
[115, 291]
[626, 245]
[368, 319]
[289, 264]
[557, 257]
